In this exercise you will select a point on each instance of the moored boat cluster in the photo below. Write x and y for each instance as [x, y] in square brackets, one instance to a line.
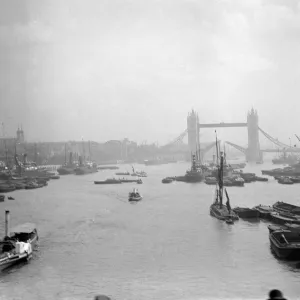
[10, 182]
[287, 175]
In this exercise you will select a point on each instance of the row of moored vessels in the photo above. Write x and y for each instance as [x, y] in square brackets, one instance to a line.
[284, 238]
[78, 168]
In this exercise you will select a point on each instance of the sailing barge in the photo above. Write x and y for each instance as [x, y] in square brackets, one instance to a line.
[218, 209]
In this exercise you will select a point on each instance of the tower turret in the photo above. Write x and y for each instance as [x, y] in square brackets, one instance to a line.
[193, 131]
[253, 151]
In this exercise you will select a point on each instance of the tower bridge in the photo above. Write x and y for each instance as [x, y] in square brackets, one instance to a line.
[253, 151]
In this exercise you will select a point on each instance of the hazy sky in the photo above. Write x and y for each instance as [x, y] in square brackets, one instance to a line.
[110, 69]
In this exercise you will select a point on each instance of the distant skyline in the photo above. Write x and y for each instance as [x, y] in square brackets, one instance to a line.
[111, 69]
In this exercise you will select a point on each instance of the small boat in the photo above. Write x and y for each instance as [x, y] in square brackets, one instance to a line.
[295, 179]
[285, 180]
[285, 244]
[135, 196]
[10, 198]
[237, 181]
[211, 180]
[286, 218]
[109, 181]
[229, 221]
[142, 174]
[2, 198]
[264, 211]
[7, 188]
[167, 180]
[257, 178]
[107, 167]
[245, 212]
[287, 226]
[227, 182]
[125, 180]
[54, 177]
[283, 207]
[139, 181]
[122, 173]
[18, 243]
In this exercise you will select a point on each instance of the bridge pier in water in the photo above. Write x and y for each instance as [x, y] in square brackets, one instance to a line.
[253, 153]
[193, 131]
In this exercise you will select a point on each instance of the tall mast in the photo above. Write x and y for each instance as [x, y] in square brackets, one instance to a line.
[221, 180]
[90, 150]
[65, 153]
[35, 153]
[4, 140]
[217, 150]
[83, 150]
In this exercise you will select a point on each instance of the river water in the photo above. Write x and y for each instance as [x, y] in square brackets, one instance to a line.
[92, 241]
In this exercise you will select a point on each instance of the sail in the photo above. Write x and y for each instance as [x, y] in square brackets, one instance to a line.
[216, 196]
[227, 202]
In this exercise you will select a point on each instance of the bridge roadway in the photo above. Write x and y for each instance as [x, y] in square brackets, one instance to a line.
[217, 125]
[295, 150]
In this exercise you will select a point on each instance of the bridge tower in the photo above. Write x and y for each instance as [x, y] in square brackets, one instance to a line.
[253, 153]
[193, 131]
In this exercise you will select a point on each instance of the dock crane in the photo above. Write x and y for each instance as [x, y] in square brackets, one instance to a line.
[297, 137]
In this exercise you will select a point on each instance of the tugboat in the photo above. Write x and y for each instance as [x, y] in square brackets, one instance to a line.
[167, 180]
[285, 180]
[141, 174]
[135, 196]
[18, 243]
[195, 174]
[218, 209]
[123, 173]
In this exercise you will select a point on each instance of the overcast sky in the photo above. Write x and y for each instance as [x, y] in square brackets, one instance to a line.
[110, 69]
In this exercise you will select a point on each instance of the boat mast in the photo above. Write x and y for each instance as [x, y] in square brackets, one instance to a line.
[65, 153]
[83, 150]
[221, 179]
[90, 150]
[35, 153]
[220, 172]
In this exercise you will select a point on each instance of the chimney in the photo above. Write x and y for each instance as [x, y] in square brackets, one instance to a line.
[7, 219]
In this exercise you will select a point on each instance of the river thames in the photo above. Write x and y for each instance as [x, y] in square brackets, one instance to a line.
[92, 241]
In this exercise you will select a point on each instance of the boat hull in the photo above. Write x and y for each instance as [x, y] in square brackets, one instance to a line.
[107, 182]
[14, 260]
[283, 207]
[135, 199]
[246, 213]
[84, 171]
[264, 211]
[289, 252]
[282, 219]
[65, 171]
[223, 213]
